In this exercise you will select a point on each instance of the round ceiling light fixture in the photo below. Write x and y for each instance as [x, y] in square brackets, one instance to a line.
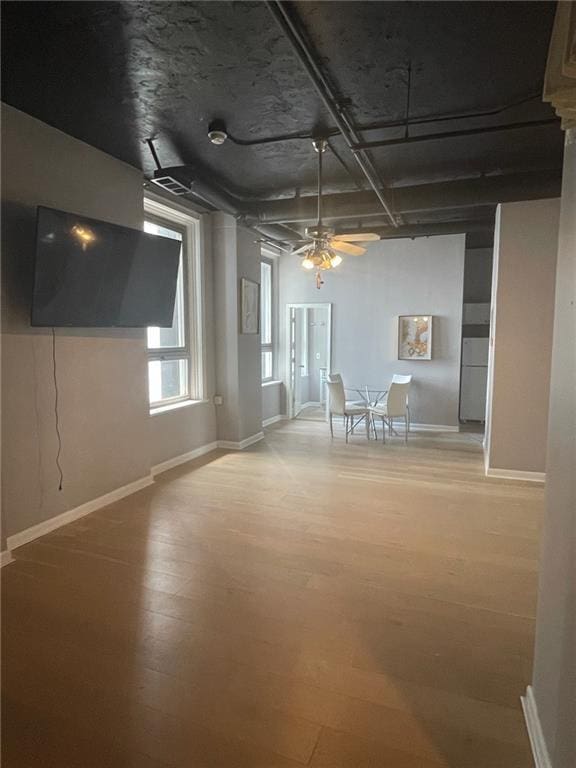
[217, 132]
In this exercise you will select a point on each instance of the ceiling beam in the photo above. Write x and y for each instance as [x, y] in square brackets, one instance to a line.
[429, 230]
[462, 193]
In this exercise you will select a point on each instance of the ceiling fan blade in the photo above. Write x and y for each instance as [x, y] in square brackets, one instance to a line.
[352, 250]
[302, 248]
[358, 237]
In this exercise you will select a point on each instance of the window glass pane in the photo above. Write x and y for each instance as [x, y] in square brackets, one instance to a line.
[169, 338]
[266, 364]
[265, 303]
[167, 379]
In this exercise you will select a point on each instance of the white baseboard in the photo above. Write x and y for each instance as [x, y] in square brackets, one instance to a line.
[516, 474]
[311, 404]
[5, 558]
[430, 427]
[183, 458]
[232, 446]
[539, 749]
[274, 419]
[13, 542]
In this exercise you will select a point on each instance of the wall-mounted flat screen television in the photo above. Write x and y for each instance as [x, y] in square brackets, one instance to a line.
[92, 274]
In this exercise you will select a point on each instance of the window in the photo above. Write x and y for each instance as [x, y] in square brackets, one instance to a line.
[266, 323]
[174, 363]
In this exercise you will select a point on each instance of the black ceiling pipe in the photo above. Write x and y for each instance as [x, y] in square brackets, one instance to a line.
[462, 193]
[455, 134]
[385, 124]
[339, 114]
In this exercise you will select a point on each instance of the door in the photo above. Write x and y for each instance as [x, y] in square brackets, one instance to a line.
[308, 343]
[474, 379]
[317, 343]
[298, 367]
[475, 352]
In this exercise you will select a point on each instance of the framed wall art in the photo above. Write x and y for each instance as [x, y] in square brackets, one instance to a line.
[415, 337]
[249, 306]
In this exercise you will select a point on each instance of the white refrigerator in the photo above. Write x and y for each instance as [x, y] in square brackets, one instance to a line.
[474, 379]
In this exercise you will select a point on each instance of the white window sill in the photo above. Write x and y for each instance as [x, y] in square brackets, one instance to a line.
[175, 406]
[271, 383]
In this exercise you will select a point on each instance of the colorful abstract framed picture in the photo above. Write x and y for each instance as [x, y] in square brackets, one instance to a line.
[415, 337]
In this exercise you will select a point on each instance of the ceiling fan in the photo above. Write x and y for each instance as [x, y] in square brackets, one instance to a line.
[323, 247]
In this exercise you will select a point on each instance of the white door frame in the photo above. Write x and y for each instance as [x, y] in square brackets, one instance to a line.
[289, 381]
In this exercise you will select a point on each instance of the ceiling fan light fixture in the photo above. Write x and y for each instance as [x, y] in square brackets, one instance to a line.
[322, 254]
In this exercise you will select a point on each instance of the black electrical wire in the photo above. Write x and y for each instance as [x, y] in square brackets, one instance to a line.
[56, 415]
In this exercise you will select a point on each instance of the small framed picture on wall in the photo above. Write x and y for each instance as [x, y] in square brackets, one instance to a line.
[249, 306]
[415, 337]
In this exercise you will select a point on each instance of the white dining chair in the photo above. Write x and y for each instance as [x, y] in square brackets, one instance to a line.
[337, 377]
[401, 378]
[337, 406]
[393, 407]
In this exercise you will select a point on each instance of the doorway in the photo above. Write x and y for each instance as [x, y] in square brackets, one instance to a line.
[309, 343]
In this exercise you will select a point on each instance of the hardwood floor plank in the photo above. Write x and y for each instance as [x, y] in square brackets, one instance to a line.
[301, 602]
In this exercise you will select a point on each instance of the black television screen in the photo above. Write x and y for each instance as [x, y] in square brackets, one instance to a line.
[93, 274]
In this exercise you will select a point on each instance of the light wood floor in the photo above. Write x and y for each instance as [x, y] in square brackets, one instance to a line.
[304, 602]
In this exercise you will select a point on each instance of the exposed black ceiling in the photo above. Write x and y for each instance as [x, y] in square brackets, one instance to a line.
[115, 74]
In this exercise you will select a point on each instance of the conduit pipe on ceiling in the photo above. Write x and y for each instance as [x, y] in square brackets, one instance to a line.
[339, 114]
[385, 124]
[454, 134]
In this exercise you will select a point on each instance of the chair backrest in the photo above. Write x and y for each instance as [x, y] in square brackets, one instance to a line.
[397, 399]
[334, 377]
[400, 378]
[337, 401]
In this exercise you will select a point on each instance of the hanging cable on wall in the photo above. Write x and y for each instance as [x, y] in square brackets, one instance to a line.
[56, 413]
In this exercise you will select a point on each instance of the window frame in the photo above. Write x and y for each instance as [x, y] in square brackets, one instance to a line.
[266, 258]
[183, 221]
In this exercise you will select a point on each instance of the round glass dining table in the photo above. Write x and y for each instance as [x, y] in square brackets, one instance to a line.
[369, 394]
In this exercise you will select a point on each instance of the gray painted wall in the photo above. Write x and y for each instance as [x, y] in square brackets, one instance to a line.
[249, 353]
[109, 439]
[525, 252]
[554, 678]
[238, 374]
[101, 375]
[394, 277]
[273, 400]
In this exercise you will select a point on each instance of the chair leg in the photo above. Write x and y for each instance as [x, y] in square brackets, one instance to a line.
[405, 429]
[383, 430]
[331, 426]
[346, 426]
[367, 420]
